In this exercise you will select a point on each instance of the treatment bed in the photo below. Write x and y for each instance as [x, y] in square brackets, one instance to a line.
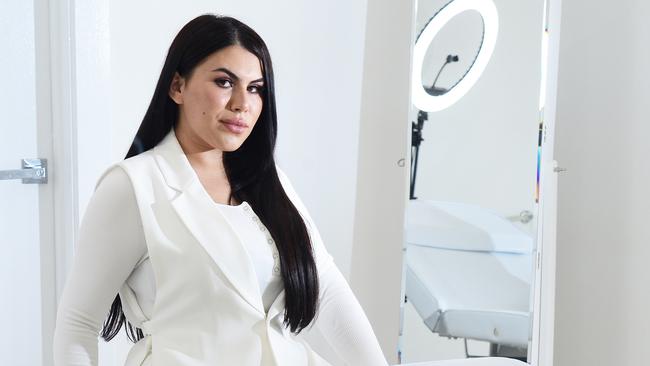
[468, 272]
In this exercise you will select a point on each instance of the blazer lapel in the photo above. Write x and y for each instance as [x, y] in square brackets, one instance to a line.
[200, 214]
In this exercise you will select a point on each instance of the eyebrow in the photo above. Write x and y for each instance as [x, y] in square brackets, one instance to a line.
[232, 74]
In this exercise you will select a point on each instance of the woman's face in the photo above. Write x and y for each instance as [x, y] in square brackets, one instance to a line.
[220, 102]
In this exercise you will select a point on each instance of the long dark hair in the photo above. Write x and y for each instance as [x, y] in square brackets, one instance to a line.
[250, 169]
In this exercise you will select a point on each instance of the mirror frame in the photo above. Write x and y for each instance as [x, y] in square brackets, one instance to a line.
[543, 326]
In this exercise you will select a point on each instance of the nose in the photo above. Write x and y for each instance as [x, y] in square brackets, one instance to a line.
[239, 100]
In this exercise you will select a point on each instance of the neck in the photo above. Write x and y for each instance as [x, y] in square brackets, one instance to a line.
[202, 157]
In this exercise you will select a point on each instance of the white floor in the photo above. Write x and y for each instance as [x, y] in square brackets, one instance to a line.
[419, 344]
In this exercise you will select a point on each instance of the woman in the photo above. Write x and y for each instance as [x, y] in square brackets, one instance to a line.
[213, 256]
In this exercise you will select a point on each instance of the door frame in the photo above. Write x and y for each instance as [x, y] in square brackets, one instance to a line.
[80, 126]
[55, 126]
[74, 134]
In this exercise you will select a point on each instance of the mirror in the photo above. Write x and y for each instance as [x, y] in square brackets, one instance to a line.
[471, 218]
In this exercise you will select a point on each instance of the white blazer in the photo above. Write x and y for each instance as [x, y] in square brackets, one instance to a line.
[208, 308]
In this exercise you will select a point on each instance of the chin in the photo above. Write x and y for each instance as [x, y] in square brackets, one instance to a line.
[232, 146]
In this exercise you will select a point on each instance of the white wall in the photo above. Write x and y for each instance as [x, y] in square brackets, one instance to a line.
[602, 296]
[382, 186]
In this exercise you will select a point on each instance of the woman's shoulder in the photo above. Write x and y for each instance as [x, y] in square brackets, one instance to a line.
[121, 172]
[114, 179]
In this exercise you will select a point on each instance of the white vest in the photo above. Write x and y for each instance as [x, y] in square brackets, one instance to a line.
[208, 308]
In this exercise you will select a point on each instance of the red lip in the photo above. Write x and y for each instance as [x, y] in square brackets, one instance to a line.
[234, 121]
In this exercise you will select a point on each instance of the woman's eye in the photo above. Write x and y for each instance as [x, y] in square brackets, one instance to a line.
[255, 89]
[224, 83]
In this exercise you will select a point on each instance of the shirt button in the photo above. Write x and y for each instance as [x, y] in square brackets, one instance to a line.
[270, 241]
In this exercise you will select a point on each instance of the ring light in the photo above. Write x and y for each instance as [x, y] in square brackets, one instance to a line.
[486, 8]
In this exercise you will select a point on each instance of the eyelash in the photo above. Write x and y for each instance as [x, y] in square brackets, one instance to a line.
[221, 82]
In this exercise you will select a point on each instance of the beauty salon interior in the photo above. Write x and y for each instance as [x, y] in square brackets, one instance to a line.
[477, 169]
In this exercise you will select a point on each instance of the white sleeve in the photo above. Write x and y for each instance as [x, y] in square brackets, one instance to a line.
[340, 318]
[110, 244]
[343, 323]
